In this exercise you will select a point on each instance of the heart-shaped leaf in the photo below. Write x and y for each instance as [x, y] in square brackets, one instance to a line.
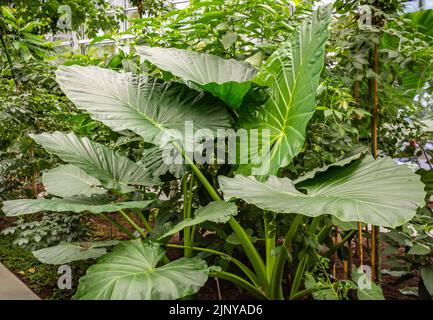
[131, 272]
[113, 170]
[69, 180]
[377, 192]
[66, 252]
[229, 80]
[124, 101]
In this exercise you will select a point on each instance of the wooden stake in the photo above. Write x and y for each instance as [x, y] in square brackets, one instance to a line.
[374, 94]
[373, 253]
[360, 251]
[346, 269]
[334, 268]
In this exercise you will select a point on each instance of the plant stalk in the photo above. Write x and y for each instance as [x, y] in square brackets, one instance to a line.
[118, 225]
[240, 265]
[276, 291]
[133, 224]
[252, 253]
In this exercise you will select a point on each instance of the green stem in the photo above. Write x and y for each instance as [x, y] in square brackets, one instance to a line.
[185, 209]
[132, 223]
[240, 282]
[276, 291]
[323, 234]
[252, 253]
[144, 220]
[165, 259]
[314, 223]
[298, 275]
[118, 225]
[270, 245]
[240, 265]
[303, 293]
[188, 236]
[338, 245]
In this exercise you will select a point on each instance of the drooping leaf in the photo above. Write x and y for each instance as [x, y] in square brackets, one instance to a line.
[131, 272]
[292, 74]
[367, 289]
[216, 211]
[113, 170]
[229, 80]
[76, 204]
[124, 101]
[427, 278]
[66, 252]
[377, 192]
[68, 180]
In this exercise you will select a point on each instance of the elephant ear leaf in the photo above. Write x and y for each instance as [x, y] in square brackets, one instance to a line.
[226, 79]
[113, 170]
[68, 180]
[94, 205]
[292, 74]
[377, 192]
[131, 272]
[66, 252]
[217, 211]
[124, 101]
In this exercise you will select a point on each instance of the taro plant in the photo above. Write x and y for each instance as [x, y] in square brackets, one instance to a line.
[211, 94]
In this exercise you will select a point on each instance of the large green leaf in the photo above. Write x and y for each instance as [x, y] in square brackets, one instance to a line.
[68, 180]
[76, 204]
[229, 80]
[292, 73]
[131, 272]
[217, 211]
[377, 192]
[124, 101]
[66, 252]
[113, 170]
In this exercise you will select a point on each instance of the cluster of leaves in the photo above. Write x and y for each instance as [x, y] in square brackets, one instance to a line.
[416, 237]
[94, 14]
[47, 231]
[235, 28]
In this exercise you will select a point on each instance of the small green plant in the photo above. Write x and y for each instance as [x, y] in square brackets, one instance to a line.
[49, 230]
